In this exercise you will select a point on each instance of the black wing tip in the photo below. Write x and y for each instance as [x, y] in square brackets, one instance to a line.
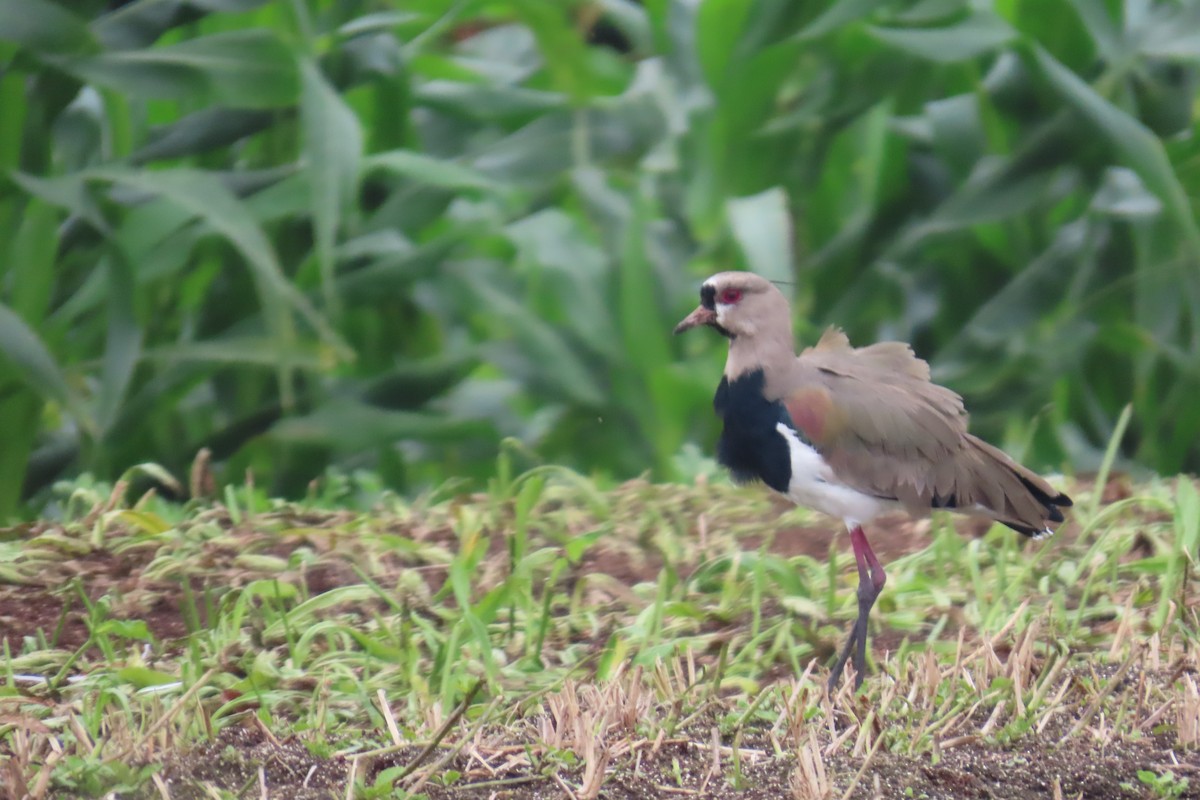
[1052, 502]
[1028, 530]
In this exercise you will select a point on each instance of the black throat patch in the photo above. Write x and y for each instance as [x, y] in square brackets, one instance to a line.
[751, 447]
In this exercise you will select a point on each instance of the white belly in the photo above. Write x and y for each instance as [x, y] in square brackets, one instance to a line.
[813, 485]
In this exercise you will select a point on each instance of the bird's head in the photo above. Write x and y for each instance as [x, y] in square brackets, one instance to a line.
[740, 305]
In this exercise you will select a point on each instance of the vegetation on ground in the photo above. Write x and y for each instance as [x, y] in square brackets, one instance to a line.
[554, 637]
[389, 235]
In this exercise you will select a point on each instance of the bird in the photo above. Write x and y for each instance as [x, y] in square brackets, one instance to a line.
[853, 432]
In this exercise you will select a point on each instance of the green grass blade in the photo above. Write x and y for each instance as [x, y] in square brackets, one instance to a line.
[333, 143]
[1110, 457]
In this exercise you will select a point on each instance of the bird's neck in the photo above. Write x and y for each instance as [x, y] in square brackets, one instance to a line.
[765, 351]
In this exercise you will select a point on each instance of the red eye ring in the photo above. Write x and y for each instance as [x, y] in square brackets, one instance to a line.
[729, 296]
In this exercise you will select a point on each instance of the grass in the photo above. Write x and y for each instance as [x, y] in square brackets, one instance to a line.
[552, 637]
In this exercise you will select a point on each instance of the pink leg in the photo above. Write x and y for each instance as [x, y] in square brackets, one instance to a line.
[863, 552]
[871, 579]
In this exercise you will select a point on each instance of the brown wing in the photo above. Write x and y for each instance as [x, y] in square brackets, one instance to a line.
[878, 421]
[886, 429]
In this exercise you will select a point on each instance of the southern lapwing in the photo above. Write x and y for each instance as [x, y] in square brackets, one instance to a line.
[853, 432]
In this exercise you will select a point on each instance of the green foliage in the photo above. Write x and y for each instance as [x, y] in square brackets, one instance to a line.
[1165, 785]
[317, 232]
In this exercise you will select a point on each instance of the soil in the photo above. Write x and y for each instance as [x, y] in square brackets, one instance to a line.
[685, 767]
[248, 761]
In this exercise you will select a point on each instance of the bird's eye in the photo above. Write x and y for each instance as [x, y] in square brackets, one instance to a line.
[730, 296]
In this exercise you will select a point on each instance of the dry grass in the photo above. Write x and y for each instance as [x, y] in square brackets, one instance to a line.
[551, 639]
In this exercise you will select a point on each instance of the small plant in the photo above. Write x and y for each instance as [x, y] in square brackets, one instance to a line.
[1166, 785]
[94, 777]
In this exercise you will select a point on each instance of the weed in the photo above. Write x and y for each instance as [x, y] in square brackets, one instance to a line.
[1164, 784]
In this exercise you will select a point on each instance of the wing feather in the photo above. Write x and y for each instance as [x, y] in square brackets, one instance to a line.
[876, 417]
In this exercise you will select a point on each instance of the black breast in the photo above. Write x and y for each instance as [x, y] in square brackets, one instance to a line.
[751, 446]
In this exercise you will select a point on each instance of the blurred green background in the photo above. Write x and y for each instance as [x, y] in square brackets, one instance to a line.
[388, 235]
